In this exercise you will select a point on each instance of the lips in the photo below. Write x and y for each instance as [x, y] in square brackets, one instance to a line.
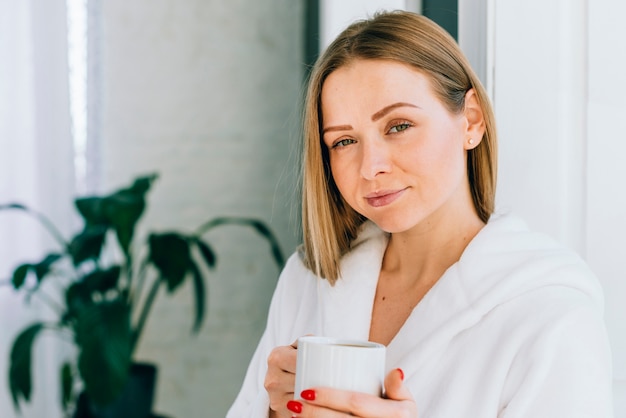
[383, 197]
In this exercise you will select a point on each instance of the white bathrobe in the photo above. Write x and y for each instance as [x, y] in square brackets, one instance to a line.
[513, 329]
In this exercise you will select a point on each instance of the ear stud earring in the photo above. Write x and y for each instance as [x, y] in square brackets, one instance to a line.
[470, 141]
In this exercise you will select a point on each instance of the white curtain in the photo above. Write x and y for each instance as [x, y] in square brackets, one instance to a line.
[36, 168]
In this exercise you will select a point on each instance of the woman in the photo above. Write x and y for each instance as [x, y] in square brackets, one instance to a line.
[481, 317]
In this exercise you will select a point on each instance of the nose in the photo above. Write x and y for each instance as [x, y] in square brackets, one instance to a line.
[375, 158]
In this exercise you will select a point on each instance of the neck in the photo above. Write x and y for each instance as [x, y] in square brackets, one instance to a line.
[420, 256]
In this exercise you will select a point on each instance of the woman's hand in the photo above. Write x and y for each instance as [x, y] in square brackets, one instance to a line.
[331, 403]
[280, 379]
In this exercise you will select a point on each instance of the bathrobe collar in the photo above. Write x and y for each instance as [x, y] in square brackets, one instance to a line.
[482, 279]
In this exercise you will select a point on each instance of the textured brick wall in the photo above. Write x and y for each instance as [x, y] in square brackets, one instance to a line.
[206, 93]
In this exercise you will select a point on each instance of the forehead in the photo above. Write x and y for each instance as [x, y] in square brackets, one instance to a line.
[372, 83]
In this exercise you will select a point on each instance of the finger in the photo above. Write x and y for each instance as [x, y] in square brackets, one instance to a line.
[279, 392]
[308, 410]
[398, 402]
[280, 383]
[395, 387]
[284, 358]
[348, 403]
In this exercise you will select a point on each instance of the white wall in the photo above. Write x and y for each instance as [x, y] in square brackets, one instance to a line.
[606, 150]
[336, 15]
[206, 93]
[540, 98]
[558, 93]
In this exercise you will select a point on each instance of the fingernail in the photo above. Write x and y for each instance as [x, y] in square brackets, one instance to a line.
[308, 395]
[294, 406]
[401, 373]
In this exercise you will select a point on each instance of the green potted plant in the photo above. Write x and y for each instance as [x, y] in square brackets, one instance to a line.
[109, 284]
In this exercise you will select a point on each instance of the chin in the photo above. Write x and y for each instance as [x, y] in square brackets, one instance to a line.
[392, 227]
[399, 221]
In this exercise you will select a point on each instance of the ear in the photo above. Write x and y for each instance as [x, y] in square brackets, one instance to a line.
[475, 121]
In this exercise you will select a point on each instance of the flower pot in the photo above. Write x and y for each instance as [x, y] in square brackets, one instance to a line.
[135, 400]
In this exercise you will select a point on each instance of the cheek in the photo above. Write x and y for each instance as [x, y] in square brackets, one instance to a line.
[449, 148]
[441, 159]
[452, 167]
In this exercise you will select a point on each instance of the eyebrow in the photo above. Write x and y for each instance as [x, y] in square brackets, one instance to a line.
[382, 112]
[337, 128]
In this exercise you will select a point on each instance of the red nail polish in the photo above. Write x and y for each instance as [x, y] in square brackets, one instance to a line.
[308, 395]
[401, 373]
[294, 406]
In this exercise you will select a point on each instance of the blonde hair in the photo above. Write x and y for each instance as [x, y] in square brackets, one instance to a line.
[329, 224]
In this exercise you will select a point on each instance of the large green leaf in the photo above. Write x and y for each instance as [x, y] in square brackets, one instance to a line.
[120, 210]
[124, 210]
[20, 369]
[102, 280]
[77, 297]
[170, 254]
[88, 244]
[92, 210]
[80, 294]
[19, 275]
[103, 336]
[125, 207]
[141, 185]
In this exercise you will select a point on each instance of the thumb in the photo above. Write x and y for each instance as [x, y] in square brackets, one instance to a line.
[395, 388]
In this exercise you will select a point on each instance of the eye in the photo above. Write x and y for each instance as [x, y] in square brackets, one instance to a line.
[399, 127]
[343, 142]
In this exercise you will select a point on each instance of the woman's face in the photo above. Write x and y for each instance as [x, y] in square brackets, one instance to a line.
[397, 155]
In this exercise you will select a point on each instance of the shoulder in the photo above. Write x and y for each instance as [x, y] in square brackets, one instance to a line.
[510, 233]
[508, 260]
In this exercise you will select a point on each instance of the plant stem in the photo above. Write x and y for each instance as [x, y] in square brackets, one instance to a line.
[259, 226]
[47, 300]
[135, 291]
[144, 313]
[47, 224]
[213, 223]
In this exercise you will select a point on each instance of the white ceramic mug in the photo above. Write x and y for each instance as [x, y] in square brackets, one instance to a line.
[341, 364]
